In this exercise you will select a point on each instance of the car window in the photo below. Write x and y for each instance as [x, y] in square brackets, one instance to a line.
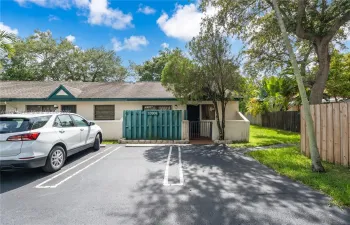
[38, 122]
[12, 125]
[63, 121]
[79, 121]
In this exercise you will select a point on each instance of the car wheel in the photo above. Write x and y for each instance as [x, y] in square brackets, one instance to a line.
[55, 160]
[97, 143]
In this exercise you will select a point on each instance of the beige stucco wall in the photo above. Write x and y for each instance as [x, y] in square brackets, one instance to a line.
[185, 130]
[86, 109]
[235, 130]
[112, 129]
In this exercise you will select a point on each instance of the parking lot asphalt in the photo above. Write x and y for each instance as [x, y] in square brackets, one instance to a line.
[148, 185]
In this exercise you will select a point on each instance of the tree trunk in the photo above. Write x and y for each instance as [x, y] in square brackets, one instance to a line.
[221, 137]
[322, 51]
[315, 156]
[223, 118]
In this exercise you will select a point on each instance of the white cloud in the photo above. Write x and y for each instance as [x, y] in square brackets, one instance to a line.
[65, 4]
[185, 22]
[8, 29]
[101, 14]
[146, 10]
[81, 3]
[53, 17]
[132, 43]
[70, 38]
[38, 2]
[165, 45]
[97, 11]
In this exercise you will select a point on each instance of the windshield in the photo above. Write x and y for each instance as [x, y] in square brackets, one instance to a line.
[13, 125]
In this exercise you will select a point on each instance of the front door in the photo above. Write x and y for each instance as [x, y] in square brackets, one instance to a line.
[193, 116]
[193, 112]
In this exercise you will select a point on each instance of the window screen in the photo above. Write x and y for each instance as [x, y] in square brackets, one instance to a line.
[2, 109]
[208, 112]
[40, 108]
[69, 108]
[156, 107]
[104, 112]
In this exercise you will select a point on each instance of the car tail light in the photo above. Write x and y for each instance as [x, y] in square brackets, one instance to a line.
[24, 137]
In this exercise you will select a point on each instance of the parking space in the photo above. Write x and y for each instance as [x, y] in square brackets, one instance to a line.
[161, 185]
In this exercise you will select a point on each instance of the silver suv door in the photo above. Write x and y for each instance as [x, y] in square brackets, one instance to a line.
[85, 129]
[67, 131]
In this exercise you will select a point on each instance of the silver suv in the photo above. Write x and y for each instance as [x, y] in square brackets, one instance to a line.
[44, 139]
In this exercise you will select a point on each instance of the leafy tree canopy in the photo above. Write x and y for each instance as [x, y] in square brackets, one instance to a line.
[41, 57]
[338, 84]
[151, 70]
[313, 23]
[212, 73]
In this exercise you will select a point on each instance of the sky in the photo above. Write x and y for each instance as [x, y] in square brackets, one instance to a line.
[136, 30]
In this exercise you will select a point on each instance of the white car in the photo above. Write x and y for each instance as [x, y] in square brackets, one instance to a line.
[44, 140]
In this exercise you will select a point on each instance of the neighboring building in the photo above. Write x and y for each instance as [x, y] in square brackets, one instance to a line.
[104, 103]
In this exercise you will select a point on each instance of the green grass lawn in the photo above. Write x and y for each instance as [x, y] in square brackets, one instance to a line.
[289, 162]
[110, 142]
[262, 136]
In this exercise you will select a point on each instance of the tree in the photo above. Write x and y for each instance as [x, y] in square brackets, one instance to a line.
[338, 84]
[318, 22]
[275, 94]
[94, 65]
[315, 156]
[41, 57]
[6, 40]
[212, 75]
[151, 70]
[6, 45]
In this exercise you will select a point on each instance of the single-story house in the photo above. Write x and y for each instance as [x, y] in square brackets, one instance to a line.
[105, 103]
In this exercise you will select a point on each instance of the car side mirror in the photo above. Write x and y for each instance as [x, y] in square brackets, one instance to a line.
[91, 123]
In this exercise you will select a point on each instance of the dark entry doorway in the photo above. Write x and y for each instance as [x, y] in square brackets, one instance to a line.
[193, 112]
[198, 129]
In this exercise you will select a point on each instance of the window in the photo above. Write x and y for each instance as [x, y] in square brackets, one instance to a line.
[63, 121]
[13, 124]
[208, 112]
[79, 121]
[2, 109]
[156, 107]
[41, 108]
[104, 112]
[38, 122]
[69, 108]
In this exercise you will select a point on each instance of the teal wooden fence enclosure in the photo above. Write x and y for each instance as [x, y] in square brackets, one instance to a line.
[152, 124]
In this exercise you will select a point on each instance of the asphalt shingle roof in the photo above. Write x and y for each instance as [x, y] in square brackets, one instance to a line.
[43, 89]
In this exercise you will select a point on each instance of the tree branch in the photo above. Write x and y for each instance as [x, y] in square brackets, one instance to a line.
[337, 24]
[300, 32]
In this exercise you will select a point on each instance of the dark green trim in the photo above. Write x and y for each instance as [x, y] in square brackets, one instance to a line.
[53, 95]
[90, 99]
[85, 99]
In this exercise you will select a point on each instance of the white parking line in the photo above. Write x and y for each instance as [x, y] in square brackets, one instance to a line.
[166, 173]
[180, 168]
[54, 186]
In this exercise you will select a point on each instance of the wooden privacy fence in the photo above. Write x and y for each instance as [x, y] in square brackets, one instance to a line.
[332, 129]
[283, 120]
[255, 120]
[152, 125]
